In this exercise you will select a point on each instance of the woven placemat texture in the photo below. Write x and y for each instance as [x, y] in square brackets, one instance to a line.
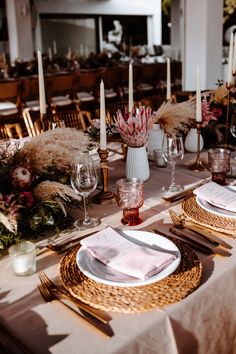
[216, 222]
[135, 299]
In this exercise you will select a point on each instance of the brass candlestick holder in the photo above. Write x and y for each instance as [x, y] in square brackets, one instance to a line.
[43, 122]
[229, 85]
[198, 165]
[104, 196]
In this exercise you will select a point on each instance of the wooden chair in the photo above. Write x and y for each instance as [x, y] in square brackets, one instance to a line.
[87, 92]
[10, 107]
[72, 119]
[110, 77]
[3, 133]
[146, 82]
[61, 92]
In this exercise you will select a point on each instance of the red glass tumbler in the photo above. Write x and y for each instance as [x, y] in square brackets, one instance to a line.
[219, 164]
[130, 199]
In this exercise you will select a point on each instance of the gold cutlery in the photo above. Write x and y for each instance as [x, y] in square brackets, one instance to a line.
[207, 247]
[63, 246]
[62, 292]
[180, 195]
[181, 223]
[196, 246]
[50, 296]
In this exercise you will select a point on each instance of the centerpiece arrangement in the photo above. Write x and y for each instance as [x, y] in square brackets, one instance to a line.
[134, 128]
[35, 183]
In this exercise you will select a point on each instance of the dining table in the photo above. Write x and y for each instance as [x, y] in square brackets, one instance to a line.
[201, 321]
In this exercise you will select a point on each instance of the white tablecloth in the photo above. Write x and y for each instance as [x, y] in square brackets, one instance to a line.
[204, 322]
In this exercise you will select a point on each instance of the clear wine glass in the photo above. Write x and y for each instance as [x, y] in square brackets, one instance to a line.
[233, 125]
[84, 182]
[173, 151]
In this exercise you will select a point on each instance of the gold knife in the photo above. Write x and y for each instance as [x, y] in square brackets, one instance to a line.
[208, 235]
[214, 249]
[196, 246]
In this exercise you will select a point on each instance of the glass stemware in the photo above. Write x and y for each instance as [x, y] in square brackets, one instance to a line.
[233, 125]
[84, 182]
[173, 150]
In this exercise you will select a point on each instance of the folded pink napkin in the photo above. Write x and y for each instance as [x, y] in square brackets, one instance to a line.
[217, 195]
[112, 249]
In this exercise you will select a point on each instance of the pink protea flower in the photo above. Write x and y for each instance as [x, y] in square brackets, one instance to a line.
[134, 128]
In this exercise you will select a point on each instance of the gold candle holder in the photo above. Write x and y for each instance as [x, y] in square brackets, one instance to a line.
[229, 85]
[198, 165]
[43, 122]
[104, 196]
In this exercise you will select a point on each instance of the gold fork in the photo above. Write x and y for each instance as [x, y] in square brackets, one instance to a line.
[49, 296]
[181, 223]
[62, 292]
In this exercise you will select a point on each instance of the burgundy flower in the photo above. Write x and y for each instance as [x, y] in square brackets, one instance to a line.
[26, 198]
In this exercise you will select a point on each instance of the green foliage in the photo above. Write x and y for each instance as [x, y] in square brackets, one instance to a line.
[6, 237]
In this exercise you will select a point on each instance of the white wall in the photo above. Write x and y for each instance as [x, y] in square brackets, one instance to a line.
[19, 29]
[202, 42]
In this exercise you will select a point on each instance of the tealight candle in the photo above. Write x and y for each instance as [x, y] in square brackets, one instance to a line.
[42, 100]
[131, 90]
[103, 136]
[23, 258]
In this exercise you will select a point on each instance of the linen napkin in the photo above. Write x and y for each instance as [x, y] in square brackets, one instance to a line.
[217, 195]
[112, 249]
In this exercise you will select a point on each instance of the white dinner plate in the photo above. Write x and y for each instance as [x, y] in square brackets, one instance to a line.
[214, 209]
[99, 272]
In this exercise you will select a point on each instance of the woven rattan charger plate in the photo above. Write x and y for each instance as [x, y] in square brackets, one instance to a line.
[219, 223]
[172, 289]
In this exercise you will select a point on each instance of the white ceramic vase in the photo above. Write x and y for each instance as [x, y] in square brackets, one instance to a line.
[137, 165]
[155, 140]
[190, 143]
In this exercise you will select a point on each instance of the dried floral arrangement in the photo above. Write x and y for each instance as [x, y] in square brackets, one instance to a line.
[34, 183]
[134, 128]
[174, 117]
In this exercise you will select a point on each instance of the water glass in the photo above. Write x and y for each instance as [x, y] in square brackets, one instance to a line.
[23, 258]
[130, 198]
[219, 164]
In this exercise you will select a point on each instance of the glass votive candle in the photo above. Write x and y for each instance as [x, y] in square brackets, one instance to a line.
[130, 198]
[158, 158]
[219, 164]
[23, 258]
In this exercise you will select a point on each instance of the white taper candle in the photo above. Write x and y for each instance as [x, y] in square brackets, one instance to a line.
[54, 45]
[42, 100]
[198, 97]
[168, 81]
[230, 60]
[103, 135]
[50, 53]
[234, 56]
[131, 89]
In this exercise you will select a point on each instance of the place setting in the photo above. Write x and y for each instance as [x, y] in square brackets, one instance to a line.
[106, 270]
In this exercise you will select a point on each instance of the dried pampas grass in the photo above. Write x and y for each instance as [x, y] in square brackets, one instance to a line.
[57, 147]
[57, 192]
[174, 117]
[48, 190]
